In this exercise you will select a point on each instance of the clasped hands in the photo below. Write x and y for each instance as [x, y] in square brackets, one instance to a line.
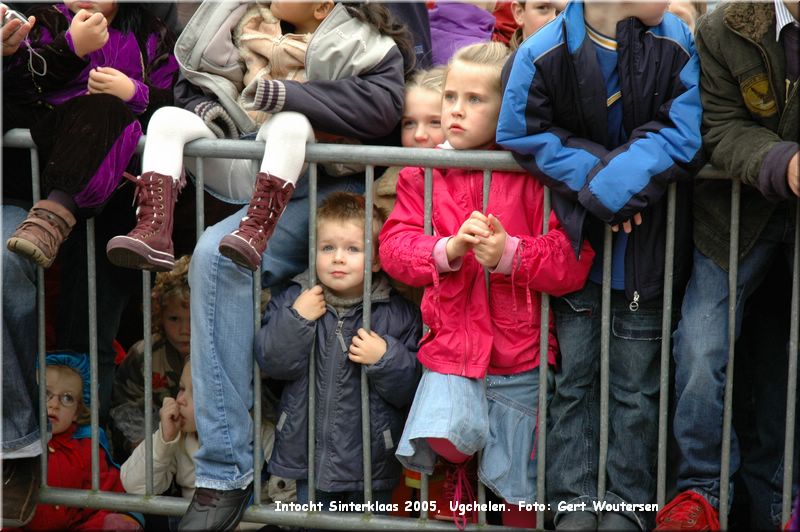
[482, 234]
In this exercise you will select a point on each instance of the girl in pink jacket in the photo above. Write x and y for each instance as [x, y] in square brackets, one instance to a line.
[480, 387]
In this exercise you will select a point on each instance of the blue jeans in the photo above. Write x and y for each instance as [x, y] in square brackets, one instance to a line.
[701, 357]
[223, 333]
[507, 467]
[20, 393]
[573, 434]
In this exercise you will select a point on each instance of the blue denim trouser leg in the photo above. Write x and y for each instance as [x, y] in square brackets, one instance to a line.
[573, 436]
[701, 357]
[762, 458]
[506, 466]
[223, 333]
[20, 393]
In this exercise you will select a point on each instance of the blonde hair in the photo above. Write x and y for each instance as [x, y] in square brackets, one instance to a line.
[489, 54]
[431, 79]
[350, 207]
[171, 284]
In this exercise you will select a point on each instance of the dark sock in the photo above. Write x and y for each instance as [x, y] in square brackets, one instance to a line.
[63, 199]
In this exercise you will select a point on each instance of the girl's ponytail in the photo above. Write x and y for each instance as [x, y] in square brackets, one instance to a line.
[380, 18]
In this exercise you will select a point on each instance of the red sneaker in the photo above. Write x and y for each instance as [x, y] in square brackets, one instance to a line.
[688, 511]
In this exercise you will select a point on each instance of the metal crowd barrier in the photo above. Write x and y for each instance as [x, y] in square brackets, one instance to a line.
[373, 156]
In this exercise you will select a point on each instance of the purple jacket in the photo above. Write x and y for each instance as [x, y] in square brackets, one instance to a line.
[146, 59]
[455, 25]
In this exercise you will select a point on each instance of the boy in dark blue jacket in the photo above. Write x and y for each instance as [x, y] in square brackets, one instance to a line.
[602, 106]
[332, 313]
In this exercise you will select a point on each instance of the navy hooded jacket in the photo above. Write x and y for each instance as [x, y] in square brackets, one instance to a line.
[282, 348]
[554, 119]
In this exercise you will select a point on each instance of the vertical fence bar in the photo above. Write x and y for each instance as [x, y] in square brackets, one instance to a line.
[487, 183]
[94, 374]
[666, 330]
[312, 366]
[424, 492]
[367, 324]
[791, 393]
[541, 417]
[41, 343]
[148, 382]
[605, 339]
[199, 204]
[733, 273]
[258, 455]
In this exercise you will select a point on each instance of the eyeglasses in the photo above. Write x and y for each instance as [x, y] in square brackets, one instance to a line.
[66, 398]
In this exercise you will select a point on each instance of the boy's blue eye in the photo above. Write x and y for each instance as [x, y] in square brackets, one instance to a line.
[327, 248]
[409, 124]
[354, 249]
[474, 99]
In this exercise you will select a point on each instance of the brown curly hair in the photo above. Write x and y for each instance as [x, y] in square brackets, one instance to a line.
[171, 284]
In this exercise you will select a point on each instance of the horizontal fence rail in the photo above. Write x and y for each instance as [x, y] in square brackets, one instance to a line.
[372, 156]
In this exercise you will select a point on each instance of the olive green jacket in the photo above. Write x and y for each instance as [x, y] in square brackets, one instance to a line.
[750, 124]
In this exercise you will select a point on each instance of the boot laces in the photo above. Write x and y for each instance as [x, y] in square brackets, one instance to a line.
[687, 510]
[150, 198]
[458, 488]
[266, 206]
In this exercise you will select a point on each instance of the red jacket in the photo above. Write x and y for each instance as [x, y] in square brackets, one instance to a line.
[69, 465]
[471, 333]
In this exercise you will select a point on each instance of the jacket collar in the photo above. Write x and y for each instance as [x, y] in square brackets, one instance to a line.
[381, 288]
[751, 19]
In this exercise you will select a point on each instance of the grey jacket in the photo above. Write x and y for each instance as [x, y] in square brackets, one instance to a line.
[364, 102]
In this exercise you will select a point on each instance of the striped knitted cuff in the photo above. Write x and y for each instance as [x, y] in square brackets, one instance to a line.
[217, 119]
[264, 95]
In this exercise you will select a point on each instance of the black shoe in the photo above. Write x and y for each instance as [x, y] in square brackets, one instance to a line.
[21, 477]
[216, 509]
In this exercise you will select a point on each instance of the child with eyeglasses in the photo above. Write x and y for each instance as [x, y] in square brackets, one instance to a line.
[69, 458]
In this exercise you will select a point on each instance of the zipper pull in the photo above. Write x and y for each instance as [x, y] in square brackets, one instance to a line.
[340, 337]
[634, 306]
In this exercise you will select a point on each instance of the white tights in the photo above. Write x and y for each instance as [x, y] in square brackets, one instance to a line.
[171, 128]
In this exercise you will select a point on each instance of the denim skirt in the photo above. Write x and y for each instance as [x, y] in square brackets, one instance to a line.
[497, 415]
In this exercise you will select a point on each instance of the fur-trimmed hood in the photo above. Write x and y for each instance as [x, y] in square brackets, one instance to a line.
[751, 19]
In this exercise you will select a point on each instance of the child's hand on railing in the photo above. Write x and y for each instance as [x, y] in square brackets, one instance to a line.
[310, 304]
[367, 347]
[626, 225]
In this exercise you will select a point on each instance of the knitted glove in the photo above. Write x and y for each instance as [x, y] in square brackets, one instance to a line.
[266, 95]
[217, 119]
